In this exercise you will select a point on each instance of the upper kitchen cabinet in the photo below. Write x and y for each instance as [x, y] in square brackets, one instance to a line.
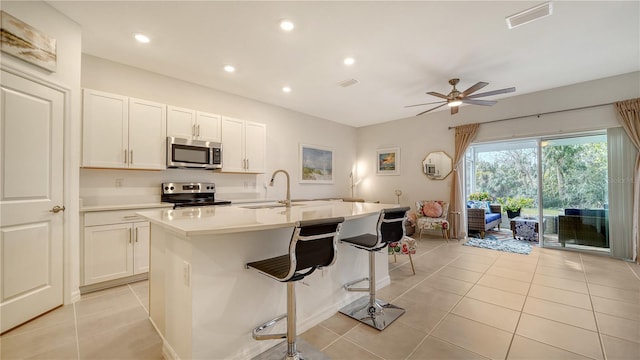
[192, 124]
[123, 133]
[243, 146]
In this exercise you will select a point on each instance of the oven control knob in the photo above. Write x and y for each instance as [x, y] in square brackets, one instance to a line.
[166, 188]
[172, 188]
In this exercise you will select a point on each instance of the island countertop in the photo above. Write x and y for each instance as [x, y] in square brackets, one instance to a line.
[211, 220]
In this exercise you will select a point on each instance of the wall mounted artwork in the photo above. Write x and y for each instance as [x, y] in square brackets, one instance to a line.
[27, 43]
[316, 164]
[388, 161]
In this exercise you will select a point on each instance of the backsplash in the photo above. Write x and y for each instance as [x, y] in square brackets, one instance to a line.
[135, 186]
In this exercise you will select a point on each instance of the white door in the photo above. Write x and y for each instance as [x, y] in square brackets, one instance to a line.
[255, 144]
[141, 247]
[31, 185]
[108, 252]
[208, 126]
[105, 120]
[147, 135]
[181, 123]
[233, 159]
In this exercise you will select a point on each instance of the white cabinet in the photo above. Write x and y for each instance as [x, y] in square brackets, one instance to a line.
[115, 246]
[243, 146]
[192, 124]
[121, 132]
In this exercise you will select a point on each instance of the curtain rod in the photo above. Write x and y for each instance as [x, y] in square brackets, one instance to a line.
[538, 115]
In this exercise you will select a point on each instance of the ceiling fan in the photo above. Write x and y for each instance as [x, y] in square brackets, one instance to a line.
[455, 98]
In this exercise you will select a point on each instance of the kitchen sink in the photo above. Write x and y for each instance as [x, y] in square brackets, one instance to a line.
[267, 206]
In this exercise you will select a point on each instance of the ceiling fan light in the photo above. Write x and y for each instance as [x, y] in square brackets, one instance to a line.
[454, 103]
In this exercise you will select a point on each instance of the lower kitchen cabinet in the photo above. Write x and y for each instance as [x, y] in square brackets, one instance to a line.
[115, 249]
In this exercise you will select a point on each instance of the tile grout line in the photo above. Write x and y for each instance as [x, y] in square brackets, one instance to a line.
[138, 299]
[593, 309]
[75, 326]
[633, 272]
[513, 336]
[451, 308]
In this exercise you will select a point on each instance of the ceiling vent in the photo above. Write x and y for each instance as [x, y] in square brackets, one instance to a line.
[529, 15]
[347, 83]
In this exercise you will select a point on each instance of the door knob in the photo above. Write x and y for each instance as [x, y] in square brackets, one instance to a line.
[56, 209]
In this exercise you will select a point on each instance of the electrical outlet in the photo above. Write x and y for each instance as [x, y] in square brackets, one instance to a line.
[119, 182]
[186, 273]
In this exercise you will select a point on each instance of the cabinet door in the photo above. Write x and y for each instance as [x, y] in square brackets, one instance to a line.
[255, 141]
[141, 247]
[104, 130]
[147, 135]
[108, 252]
[233, 159]
[181, 122]
[208, 126]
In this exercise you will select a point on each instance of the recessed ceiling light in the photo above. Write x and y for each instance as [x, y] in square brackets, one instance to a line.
[286, 89]
[286, 25]
[142, 38]
[349, 61]
[229, 68]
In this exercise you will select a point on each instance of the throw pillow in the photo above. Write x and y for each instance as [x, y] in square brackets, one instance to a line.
[432, 209]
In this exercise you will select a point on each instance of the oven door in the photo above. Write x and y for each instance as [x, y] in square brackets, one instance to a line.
[192, 154]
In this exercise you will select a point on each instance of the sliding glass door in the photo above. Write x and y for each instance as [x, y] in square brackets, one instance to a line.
[575, 192]
[557, 186]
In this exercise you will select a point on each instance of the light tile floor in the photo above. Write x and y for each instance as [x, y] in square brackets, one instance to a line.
[463, 303]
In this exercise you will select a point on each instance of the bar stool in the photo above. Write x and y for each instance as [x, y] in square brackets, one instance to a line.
[368, 309]
[313, 245]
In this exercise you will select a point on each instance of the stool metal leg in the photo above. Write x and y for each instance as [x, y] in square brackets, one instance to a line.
[292, 352]
[370, 310]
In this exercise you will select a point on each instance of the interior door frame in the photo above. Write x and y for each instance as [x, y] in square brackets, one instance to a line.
[70, 180]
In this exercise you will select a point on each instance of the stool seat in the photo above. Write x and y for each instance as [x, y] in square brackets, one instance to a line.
[313, 245]
[368, 309]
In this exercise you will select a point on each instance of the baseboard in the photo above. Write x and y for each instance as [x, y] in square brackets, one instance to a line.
[75, 296]
[113, 283]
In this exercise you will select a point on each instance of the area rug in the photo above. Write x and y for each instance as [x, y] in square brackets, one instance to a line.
[509, 245]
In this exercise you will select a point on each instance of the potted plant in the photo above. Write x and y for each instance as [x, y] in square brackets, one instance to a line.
[513, 205]
[480, 195]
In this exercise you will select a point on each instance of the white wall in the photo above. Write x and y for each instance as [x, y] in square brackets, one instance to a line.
[67, 76]
[417, 136]
[286, 129]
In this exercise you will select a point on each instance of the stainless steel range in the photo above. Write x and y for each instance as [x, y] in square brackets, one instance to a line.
[191, 194]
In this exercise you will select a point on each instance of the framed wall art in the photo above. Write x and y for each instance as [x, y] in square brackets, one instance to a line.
[388, 161]
[316, 164]
[27, 43]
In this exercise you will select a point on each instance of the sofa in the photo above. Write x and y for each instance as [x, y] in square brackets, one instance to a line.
[589, 227]
[483, 216]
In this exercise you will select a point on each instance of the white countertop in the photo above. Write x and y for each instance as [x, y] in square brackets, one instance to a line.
[211, 220]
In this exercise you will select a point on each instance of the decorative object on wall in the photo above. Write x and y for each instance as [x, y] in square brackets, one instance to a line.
[388, 161]
[27, 43]
[316, 164]
[437, 165]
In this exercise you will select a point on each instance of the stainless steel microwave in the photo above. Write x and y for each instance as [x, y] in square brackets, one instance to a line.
[193, 154]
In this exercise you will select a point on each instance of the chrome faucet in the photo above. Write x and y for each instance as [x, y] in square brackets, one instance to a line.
[287, 203]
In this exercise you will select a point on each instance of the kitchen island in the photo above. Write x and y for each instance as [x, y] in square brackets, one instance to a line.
[203, 301]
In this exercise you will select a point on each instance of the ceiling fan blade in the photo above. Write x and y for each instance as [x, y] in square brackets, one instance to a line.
[424, 112]
[494, 92]
[454, 110]
[474, 88]
[479, 102]
[433, 93]
[437, 102]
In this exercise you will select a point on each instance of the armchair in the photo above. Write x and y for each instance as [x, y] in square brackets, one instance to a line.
[432, 215]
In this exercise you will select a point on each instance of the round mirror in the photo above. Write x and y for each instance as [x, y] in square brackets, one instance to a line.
[437, 165]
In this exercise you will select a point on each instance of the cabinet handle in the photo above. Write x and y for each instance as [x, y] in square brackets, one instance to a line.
[193, 130]
[125, 156]
[247, 168]
[130, 235]
[131, 157]
[136, 235]
[198, 130]
[131, 216]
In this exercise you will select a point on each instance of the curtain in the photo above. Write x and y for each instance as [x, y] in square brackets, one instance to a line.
[622, 156]
[463, 138]
[628, 112]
